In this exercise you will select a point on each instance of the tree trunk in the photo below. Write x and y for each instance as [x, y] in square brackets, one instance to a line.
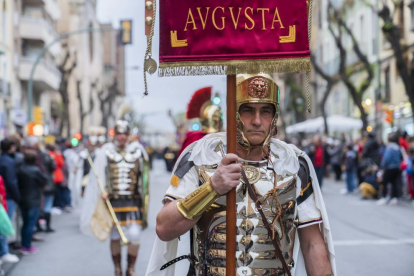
[323, 104]
[65, 122]
[331, 81]
[345, 72]
[393, 35]
[358, 102]
[63, 91]
[78, 93]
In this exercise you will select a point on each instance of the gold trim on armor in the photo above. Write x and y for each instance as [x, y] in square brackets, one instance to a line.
[126, 209]
[304, 189]
[196, 203]
[203, 176]
[129, 222]
[174, 180]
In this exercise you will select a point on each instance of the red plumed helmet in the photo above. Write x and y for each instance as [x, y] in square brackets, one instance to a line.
[199, 98]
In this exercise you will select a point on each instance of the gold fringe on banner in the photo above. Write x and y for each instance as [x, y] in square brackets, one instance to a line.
[233, 67]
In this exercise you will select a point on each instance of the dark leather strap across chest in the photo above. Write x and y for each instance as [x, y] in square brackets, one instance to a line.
[273, 237]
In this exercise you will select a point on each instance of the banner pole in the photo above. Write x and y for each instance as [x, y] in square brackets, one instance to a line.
[231, 196]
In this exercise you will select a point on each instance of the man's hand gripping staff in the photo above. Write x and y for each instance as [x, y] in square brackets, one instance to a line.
[226, 177]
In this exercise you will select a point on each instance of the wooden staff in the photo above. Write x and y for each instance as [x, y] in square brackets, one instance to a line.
[108, 203]
[231, 196]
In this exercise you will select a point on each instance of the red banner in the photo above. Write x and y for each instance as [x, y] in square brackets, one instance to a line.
[228, 37]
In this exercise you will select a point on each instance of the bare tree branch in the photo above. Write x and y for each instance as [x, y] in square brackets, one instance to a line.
[346, 72]
[393, 34]
[63, 91]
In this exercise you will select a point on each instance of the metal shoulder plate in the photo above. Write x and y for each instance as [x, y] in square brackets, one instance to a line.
[305, 179]
[182, 169]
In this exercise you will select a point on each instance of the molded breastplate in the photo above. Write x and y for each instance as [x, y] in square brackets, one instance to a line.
[255, 253]
[122, 173]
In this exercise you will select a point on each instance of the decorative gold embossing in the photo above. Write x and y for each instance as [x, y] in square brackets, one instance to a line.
[291, 37]
[304, 189]
[258, 88]
[175, 42]
[252, 173]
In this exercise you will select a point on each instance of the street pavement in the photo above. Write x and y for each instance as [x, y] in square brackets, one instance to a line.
[369, 239]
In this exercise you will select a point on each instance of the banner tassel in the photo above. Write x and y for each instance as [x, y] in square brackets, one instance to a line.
[308, 95]
[291, 65]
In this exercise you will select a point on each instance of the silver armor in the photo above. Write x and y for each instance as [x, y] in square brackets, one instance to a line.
[255, 253]
[127, 185]
[123, 172]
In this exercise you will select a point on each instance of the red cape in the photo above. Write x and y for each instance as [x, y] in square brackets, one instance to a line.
[191, 137]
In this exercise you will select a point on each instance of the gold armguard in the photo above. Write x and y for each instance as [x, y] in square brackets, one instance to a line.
[196, 203]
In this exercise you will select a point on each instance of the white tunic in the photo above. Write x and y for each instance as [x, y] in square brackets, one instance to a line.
[310, 212]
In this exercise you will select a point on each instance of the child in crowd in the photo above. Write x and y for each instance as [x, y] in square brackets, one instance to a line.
[369, 188]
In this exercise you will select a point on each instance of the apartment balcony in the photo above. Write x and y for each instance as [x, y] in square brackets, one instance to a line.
[49, 7]
[46, 77]
[38, 28]
[52, 7]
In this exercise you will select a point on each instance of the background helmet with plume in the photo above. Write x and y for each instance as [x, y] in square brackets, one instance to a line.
[201, 106]
[123, 119]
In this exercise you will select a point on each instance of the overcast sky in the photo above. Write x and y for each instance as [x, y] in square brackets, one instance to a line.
[164, 93]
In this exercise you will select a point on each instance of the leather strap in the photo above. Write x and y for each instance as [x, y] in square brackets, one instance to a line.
[177, 260]
[253, 196]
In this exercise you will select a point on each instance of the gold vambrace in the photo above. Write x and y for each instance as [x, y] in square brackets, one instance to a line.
[196, 203]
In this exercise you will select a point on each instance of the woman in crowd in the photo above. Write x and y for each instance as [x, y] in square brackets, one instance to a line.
[31, 182]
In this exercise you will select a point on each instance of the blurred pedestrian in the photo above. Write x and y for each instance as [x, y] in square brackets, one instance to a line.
[8, 173]
[390, 166]
[18, 155]
[350, 169]
[73, 162]
[47, 166]
[319, 157]
[63, 192]
[403, 140]
[31, 181]
[335, 154]
[371, 149]
[410, 170]
[6, 217]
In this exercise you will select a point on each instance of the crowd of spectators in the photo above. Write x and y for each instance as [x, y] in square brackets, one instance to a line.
[379, 171]
[33, 186]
